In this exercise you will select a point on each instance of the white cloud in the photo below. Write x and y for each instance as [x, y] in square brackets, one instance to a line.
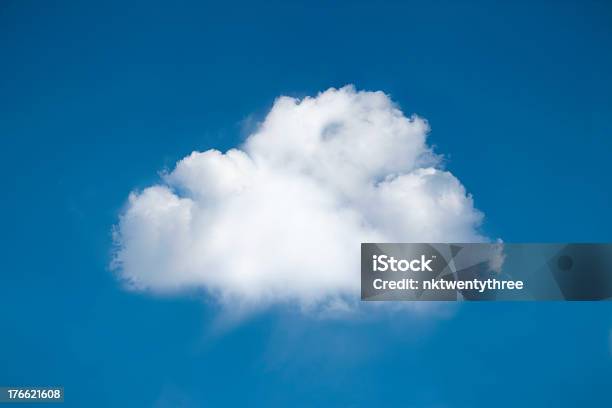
[280, 219]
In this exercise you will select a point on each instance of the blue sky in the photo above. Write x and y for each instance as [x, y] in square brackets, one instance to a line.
[95, 99]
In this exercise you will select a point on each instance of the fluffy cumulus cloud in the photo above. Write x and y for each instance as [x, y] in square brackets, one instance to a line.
[280, 219]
